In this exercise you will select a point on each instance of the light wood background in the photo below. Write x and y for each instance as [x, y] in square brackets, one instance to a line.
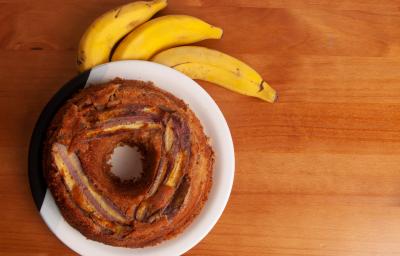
[318, 173]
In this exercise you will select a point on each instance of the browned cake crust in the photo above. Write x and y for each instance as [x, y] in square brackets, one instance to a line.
[178, 162]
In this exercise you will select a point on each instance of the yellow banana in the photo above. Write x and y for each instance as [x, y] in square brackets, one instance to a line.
[162, 33]
[99, 39]
[216, 67]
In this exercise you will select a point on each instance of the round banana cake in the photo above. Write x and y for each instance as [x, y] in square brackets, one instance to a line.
[176, 154]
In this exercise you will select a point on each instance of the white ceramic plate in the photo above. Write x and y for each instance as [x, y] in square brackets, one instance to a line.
[215, 127]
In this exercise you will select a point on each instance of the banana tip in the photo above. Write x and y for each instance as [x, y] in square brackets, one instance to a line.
[218, 32]
[221, 32]
[275, 98]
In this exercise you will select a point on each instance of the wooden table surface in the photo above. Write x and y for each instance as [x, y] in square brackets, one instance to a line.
[317, 173]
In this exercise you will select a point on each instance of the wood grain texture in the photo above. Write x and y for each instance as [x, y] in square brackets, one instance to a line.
[318, 173]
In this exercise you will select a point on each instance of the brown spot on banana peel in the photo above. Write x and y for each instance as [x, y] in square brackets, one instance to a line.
[79, 61]
[117, 12]
[238, 72]
[176, 65]
[81, 58]
[261, 86]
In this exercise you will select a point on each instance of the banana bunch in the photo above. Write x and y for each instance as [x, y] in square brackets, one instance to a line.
[128, 33]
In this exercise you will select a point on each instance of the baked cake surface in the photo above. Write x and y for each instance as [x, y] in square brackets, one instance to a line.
[177, 163]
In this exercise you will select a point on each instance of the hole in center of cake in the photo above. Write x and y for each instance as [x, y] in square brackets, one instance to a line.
[126, 163]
